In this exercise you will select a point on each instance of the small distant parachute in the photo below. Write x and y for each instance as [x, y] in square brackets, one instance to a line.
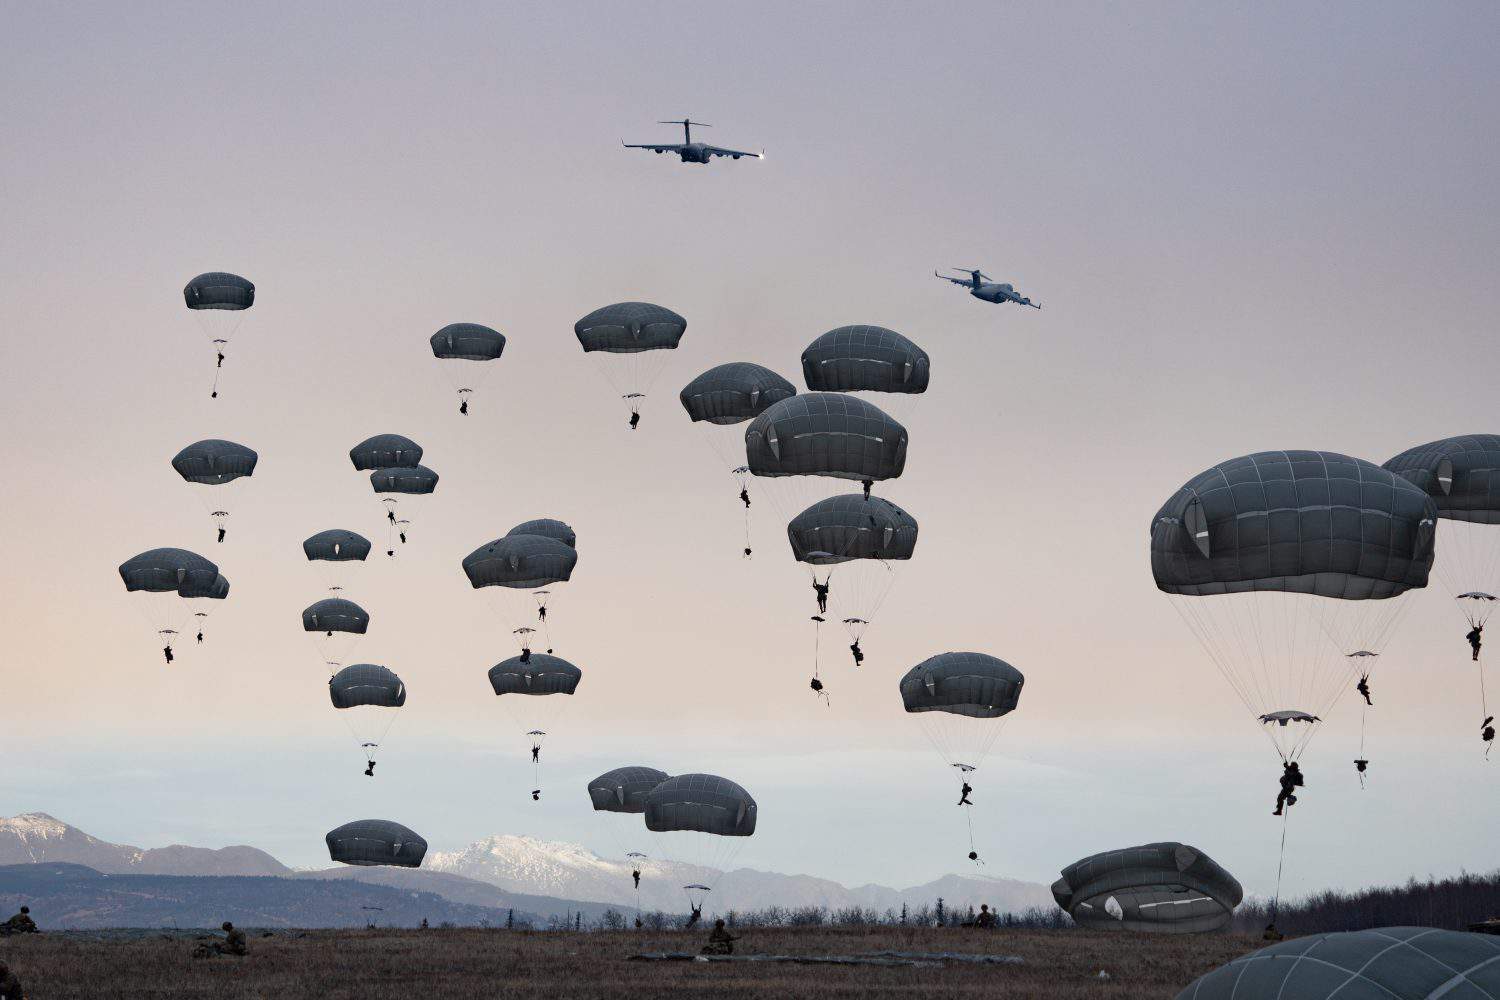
[515, 569]
[855, 540]
[639, 333]
[368, 697]
[223, 465]
[386, 451]
[546, 527]
[539, 676]
[219, 300]
[376, 842]
[393, 483]
[700, 820]
[160, 578]
[466, 342]
[331, 551]
[619, 798]
[335, 626]
[200, 600]
[1166, 887]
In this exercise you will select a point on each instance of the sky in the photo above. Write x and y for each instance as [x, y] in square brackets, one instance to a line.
[1250, 228]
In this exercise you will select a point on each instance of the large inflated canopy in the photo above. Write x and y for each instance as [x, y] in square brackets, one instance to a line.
[703, 803]
[1154, 887]
[733, 393]
[546, 527]
[376, 842]
[418, 479]
[852, 526]
[975, 685]
[386, 451]
[630, 327]
[865, 358]
[624, 789]
[160, 570]
[366, 684]
[826, 434]
[545, 674]
[336, 545]
[1461, 474]
[520, 562]
[216, 591]
[1384, 963]
[219, 290]
[214, 462]
[467, 342]
[1310, 522]
[334, 614]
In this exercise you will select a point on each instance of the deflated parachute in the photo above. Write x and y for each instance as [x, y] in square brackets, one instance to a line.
[1168, 887]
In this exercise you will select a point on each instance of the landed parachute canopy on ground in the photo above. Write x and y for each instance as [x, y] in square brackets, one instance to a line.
[543, 674]
[624, 789]
[1154, 887]
[385, 451]
[219, 290]
[336, 545]
[416, 479]
[1384, 963]
[520, 562]
[213, 462]
[546, 527]
[216, 591]
[630, 327]
[1300, 521]
[734, 392]
[376, 842]
[366, 684]
[852, 526]
[704, 803]
[975, 685]
[334, 614]
[160, 570]
[467, 342]
[1461, 474]
[826, 434]
[865, 358]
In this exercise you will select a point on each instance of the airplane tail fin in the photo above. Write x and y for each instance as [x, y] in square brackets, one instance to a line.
[687, 128]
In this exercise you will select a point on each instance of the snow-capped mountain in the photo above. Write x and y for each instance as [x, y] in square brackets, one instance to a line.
[549, 868]
[32, 838]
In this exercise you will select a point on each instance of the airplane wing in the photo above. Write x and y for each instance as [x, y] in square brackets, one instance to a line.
[654, 148]
[957, 281]
[736, 153]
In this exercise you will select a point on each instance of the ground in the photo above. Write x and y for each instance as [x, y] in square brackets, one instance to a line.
[471, 963]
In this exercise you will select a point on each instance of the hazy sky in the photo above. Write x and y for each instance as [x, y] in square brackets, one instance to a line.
[1251, 228]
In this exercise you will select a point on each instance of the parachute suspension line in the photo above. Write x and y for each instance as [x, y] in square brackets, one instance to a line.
[1286, 816]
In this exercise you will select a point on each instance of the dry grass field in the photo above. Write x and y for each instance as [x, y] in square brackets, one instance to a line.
[470, 963]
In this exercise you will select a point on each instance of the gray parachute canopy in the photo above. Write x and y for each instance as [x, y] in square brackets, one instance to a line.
[1309, 522]
[366, 684]
[336, 545]
[1384, 963]
[1461, 474]
[1155, 887]
[545, 674]
[376, 842]
[214, 462]
[704, 803]
[334, 614]
[975, 685]
[865, 358]
[467, 342]
[418, 479]
[160, 570]
[852, 526]
[630, 327]
[219, 290]
[734, 392]
[546, 527]
[386, 451]
[826, 434]
[624, 789]
[520, 562]
[216, 591]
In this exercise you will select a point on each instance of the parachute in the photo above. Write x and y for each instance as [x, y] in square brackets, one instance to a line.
[1167, 887]
[376, 842]
[539, 675]
[619, 798]
[335, 626]
[331, 551]
[517, 569]
[368, 697]
[700, 820]
[411, 481]
[639, 333]
[222, 465]
[730, 394]
[466, 342]
[161, 578]
[386, 451]
[867, 359]
[200, 601]
[219, 300]
[546, 527]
